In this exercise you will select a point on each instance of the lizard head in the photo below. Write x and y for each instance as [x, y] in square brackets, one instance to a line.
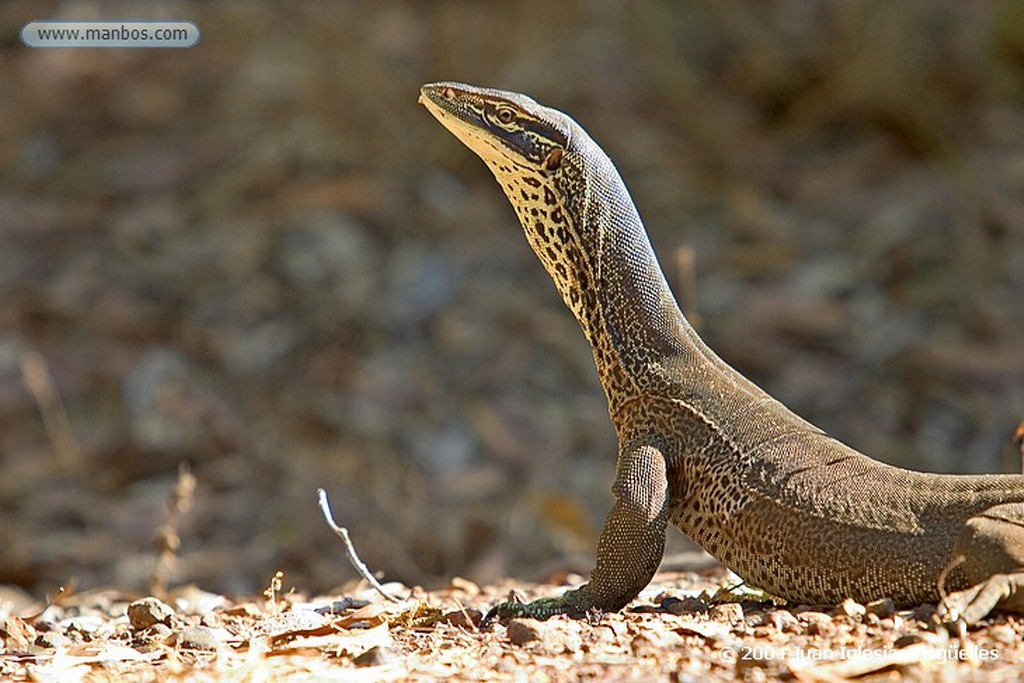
[541, 158]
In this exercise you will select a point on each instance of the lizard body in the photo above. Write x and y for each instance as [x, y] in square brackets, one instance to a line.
[785, 506]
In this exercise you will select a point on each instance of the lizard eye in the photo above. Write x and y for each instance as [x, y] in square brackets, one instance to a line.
[505, 115]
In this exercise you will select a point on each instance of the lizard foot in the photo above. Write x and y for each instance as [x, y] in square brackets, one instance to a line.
[966, 608]
[570, 603]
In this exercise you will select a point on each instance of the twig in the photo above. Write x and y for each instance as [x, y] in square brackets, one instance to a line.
[37, 379]
[350, 550]
[50, 602]
[167, 539]
[271, 593]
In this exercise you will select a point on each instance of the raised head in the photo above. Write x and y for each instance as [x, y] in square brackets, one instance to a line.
[534, 154]
[500, 126]
[577, 216]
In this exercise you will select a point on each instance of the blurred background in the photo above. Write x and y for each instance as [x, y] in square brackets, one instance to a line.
[263, 258]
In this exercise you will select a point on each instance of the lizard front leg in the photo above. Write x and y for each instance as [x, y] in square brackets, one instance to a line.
[629, 550]
[992, 547]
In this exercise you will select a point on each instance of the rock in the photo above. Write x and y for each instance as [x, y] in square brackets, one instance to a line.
[908, 639]
[52, 640]
[730, 613]
[688, 605]
[923, 612]
[341, 606]
[776, 619]
[198, 638]
[376, 656]
[466, 618]
[818, 623]
[785, 622]
[883, 609]
[148, 611]
[850, 608]
[555, 637]
[522, 631]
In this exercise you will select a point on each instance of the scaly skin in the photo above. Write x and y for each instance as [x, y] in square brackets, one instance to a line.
[788, 508]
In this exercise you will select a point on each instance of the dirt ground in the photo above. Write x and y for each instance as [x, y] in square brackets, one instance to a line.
[671, 633]
[259, 261]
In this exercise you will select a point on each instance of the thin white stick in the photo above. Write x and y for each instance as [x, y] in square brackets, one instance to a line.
[350, 550]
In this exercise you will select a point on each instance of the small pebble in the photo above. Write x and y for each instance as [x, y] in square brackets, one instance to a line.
[850, 608]
[197, 638]
[148, 611]
[467, 618]
[818, 623]
[522, 631]
[883, 608]
[908, 639]
[52, 640]
[728, 612]
[688, 605]
[376, 656]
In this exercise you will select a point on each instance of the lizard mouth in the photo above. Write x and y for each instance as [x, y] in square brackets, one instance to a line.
[463, 125]
[497, 124]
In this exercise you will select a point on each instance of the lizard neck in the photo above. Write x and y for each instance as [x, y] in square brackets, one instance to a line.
[585, 229]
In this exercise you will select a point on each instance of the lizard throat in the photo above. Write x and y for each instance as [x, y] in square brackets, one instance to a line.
[554, 237]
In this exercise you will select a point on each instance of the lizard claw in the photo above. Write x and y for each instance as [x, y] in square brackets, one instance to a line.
[949, 614]
[503, 611]
[966, 608]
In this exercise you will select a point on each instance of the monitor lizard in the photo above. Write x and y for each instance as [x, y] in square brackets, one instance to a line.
[788, 508]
